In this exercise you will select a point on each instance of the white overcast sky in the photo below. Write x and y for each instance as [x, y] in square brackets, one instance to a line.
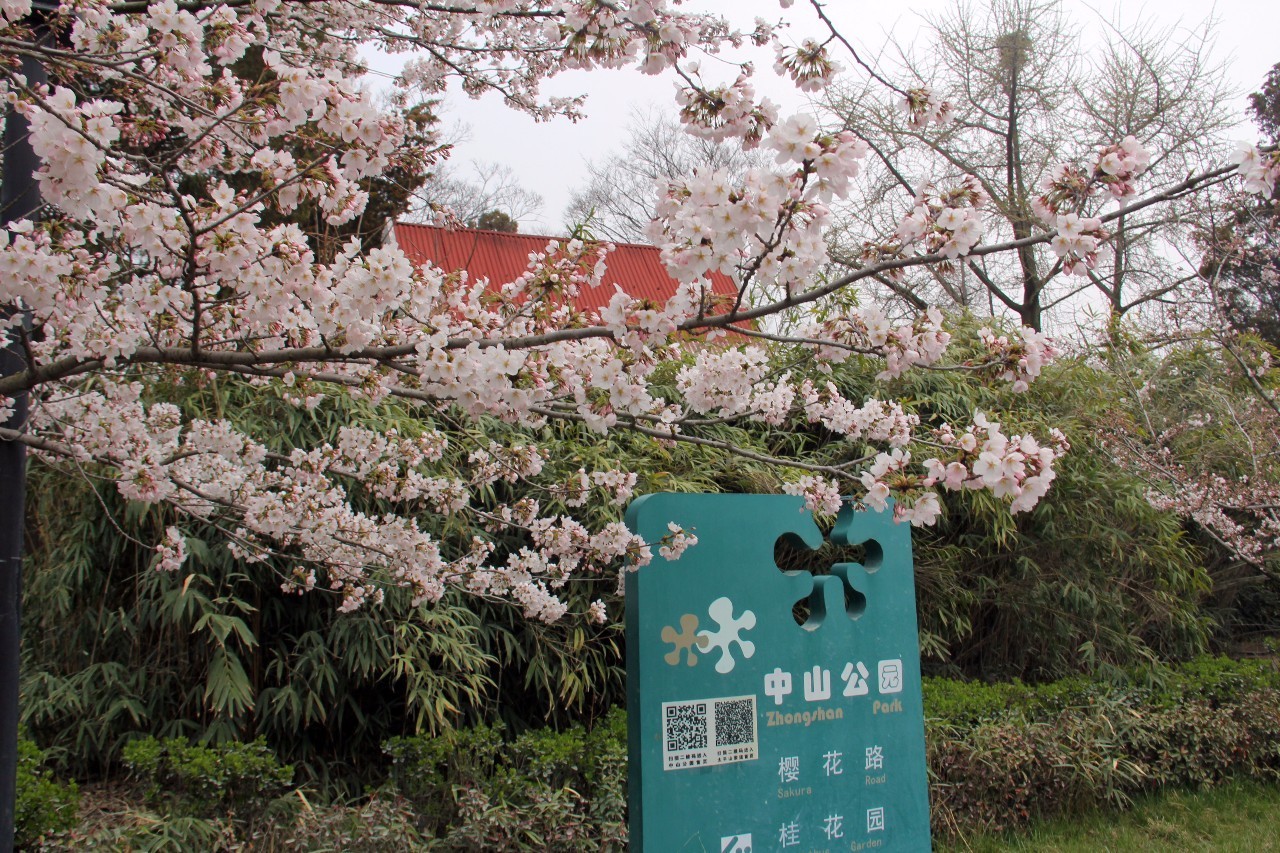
[549, 157]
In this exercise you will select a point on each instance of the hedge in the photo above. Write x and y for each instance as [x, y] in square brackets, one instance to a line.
[1000, 756]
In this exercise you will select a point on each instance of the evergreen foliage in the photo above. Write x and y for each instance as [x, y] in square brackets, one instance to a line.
[234, 776]
[44, 805]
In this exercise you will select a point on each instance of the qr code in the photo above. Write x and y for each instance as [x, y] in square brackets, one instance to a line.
[706, 732]
[685, 726]
[735, 722]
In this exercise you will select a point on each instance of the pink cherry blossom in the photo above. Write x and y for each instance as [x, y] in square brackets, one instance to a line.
[138, 283]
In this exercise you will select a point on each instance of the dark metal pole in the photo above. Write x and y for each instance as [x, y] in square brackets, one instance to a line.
[19, 199]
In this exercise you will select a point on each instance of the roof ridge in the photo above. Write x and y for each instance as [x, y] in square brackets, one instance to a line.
[467, 229]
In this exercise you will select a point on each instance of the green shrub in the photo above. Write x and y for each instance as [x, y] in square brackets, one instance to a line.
[43, 804]
[1260, 711]
[425, 770]
[1193, 745]
[606, 779]
[475, 790]
[380, 824]
[1219, 680]
[993, 778]
[192, 779]
[955, 702]
[1002, 755]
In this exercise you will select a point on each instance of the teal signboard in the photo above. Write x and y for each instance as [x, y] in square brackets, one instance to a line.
[750, 732]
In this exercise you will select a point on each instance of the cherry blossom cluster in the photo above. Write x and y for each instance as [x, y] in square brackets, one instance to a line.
[875, 420]
[726, 112]
[1120, 165]
[867, 330]
[1240, 512]
[171, 553]
[1193, 459]
[821, 495]
[677, 542]
[1067, 188]
[892, 475]
[1237, 513]
[1017, 360]
[512, 47]
[302, 507]
[1077, 242]
[1017, 467]
[1259, 170]
[557, 274]
[924, 108]
[766, 229]
[944, 222]
[298, 505]
[618, 486]
[13, 11]
[601, 34]
[809, 66]
[736, 382]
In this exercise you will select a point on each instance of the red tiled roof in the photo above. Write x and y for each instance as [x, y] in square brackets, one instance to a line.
[502, 257]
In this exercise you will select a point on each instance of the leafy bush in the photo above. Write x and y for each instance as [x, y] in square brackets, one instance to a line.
[378, 825]
[426, 769]
[192, 779]
[968, 702]
[43, 804]
[1001, 775]
[1218, 680]
[473, 790]
[1003, 755]
[1193, 745]
[1092, 580]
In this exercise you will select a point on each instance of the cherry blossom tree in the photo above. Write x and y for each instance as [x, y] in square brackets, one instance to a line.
[132, 278]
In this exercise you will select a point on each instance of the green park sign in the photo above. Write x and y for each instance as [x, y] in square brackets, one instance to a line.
[750, 732]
